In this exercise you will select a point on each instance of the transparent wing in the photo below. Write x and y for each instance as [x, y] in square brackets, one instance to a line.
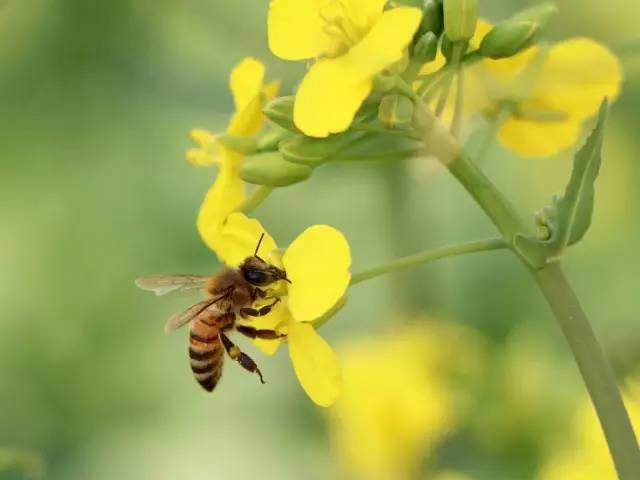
[164, 284]
[180, 319]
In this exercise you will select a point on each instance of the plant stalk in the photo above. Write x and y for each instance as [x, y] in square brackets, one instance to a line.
[258, 196]
[596, 371]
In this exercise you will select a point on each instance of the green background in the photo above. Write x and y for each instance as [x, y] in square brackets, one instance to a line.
[97, 99]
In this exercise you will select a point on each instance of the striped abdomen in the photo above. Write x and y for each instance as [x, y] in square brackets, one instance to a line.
[206, 351]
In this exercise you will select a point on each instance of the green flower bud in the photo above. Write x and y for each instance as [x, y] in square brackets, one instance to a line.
[378, 146]
[432, 17]
[272, 170]
[384, 82]
[280, 112]
[426, 48]
[508, 38]
[447, 47]
[238, 144]
[395, 111]
[460, 17]
[541, 13]
[313, 151]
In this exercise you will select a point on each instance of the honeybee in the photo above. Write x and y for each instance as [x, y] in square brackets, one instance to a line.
[232, 291]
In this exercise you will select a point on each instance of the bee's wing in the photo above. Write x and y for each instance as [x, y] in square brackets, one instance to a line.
[180, 319]
[164, 284]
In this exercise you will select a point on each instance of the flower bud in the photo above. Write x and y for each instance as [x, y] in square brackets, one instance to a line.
[395, 111]
[313, 151]
[237, 143]
[378, 146]
[272, 170]
[541, 13]
[426, 48]
[508, 38]
[280, 112]
[460, 17]
[432, 18]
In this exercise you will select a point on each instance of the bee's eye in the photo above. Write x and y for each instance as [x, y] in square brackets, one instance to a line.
[256, 277]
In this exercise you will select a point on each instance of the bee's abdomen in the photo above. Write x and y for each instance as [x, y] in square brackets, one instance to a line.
[206, 354]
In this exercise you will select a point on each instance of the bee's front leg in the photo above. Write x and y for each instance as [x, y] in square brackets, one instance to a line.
[257, 312]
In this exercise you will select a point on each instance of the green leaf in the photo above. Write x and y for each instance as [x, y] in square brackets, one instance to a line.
[568, 218]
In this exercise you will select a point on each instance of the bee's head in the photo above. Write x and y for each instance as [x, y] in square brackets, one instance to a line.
[260, 273]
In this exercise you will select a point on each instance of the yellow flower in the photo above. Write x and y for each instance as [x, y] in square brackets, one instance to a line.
[228, 192]
[354, 39]
[398, 404]
[317, 264]
[583, 453]
[551, 91]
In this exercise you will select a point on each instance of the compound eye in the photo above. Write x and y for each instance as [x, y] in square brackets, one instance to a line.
[256, 277]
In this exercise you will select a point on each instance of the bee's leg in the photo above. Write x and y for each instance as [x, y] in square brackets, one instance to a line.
[239, 356]
[258, 312]
[259, 333]
[257, 293]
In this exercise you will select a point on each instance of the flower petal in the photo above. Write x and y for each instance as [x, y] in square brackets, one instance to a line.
[363, 14]
[329, 97]
[577, 74]
[225, 196]
[238, 238]
[537, 138]
[248, 121]
[296, 30]
[209, 150]
[246, 82]
[315, 364]
[317, 263]
[384, 44]
[333, 89]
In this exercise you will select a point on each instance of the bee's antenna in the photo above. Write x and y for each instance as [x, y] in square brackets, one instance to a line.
[255, 254]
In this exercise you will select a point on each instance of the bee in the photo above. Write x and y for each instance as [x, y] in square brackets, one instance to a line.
[233, 292]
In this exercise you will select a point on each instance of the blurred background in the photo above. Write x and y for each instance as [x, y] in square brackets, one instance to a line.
[97, 101]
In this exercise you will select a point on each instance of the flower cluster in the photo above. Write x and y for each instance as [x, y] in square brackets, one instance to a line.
[375, 68]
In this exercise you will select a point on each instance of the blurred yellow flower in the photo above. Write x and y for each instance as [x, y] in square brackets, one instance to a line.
[227, 193]
[355, 39]
[583, 453]
[549, 91]
[397, 403]
[317, 264]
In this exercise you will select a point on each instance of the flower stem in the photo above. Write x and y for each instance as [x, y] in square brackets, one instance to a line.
[596, 372]
[587, 352]
[258, 196]
[429, 256]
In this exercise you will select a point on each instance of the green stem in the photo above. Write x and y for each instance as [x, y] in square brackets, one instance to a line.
[258, 196]
[593, 365]
[596, 372]
[429, 256]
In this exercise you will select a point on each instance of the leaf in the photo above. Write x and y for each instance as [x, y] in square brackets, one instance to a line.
[569, 216]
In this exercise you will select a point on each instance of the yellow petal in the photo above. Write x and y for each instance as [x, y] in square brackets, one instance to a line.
[239, 237]
[384, 44]
[538, 139]
[270, 91]
[363, 13]
[296, 30]
[577, 74]
[483, 27]
[317, 263]
[246, 82]
[248, 121]
[435, 65]
[225, 196]
[315, 364]
[329, 97]
[209, 150]
[333, 89]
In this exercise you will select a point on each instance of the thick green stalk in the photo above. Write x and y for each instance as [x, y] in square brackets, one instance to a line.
[429, 256]
[596, 372]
